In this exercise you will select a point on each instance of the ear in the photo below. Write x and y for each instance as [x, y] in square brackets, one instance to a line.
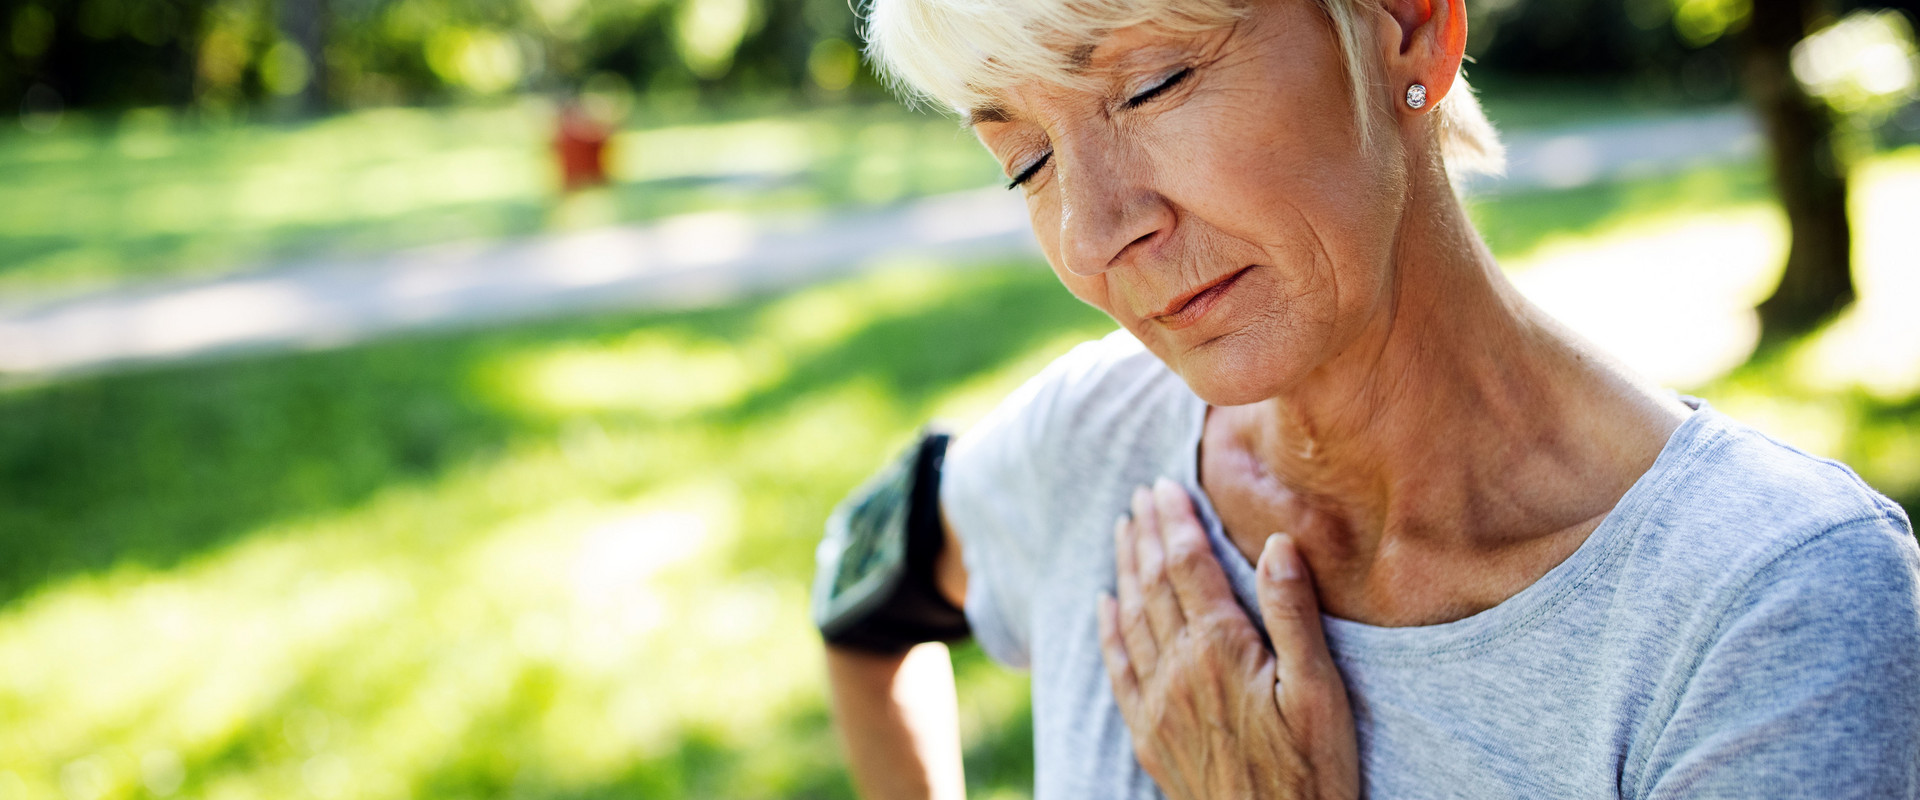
[1423, 41]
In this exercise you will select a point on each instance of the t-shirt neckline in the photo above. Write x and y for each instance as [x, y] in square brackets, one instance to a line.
[1462, 638]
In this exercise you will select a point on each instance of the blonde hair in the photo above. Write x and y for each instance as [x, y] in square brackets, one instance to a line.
[956, 53]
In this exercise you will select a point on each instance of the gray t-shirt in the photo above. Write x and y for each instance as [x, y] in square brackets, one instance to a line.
[1745, 623]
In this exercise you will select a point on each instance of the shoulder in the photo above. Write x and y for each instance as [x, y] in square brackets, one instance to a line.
[1099, 392]
[1098, 379]
[1735, 502]
[1735, 527]
[1788, 594]
[1029, 474]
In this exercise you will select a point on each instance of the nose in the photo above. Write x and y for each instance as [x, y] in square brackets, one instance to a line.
[1109, 211]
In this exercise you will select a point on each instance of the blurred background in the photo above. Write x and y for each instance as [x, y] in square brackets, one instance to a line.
[441, 399]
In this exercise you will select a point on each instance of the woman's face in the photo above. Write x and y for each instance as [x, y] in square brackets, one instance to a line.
[1210, 194]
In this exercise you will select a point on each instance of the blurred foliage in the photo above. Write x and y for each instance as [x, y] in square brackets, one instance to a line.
[225, 55]
[1863, 65]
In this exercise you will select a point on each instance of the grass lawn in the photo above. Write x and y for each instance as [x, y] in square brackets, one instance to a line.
[565, 560]
[151, 194]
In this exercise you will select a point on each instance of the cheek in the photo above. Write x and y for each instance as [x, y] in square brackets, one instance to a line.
[1093, 291]
[1322, 212]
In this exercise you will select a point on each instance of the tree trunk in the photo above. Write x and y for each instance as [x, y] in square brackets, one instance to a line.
[1808, 172]
[304, 22]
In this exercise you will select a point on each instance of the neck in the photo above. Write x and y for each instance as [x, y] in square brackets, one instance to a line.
[1462, 421]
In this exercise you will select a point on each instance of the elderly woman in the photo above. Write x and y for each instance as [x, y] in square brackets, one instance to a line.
[1384, 528]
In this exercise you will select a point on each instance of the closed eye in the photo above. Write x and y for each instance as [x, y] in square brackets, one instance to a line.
[1028, 173]
[1173, 80]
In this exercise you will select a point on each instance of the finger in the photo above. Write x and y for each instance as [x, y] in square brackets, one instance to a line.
[1132, 614]
[1199, 583]
[1156, 594]
[1126, 686]
[1306, 673]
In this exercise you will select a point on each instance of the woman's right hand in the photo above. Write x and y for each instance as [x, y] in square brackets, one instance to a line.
[1213, 712]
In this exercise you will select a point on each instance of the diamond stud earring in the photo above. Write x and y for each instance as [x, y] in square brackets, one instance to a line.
[1416, 96]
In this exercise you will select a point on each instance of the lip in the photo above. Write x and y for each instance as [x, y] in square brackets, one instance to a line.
[1188, 308]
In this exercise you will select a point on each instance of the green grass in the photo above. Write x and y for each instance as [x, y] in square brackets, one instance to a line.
[1519, 102]
[152, 193]
[562, 560]
[1515, 225]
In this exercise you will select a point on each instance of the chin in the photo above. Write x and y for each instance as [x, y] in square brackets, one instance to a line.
[1237, 369]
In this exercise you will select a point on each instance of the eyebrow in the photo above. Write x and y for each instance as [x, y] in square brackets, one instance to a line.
[1081, 58]
[988, 113]
[1077, 62]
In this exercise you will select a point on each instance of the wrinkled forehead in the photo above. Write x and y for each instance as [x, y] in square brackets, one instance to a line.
[964, 54]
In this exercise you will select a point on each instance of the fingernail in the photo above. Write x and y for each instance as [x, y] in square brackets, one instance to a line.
[1283, 563]
[1142, 499]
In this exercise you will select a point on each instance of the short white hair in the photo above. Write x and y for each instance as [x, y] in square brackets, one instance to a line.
[957, 53]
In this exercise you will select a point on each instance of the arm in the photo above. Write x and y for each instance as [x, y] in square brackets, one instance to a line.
[898, 715]
[899, 720]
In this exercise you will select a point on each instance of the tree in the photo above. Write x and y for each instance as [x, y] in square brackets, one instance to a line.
[304, 23]
[1809, 172]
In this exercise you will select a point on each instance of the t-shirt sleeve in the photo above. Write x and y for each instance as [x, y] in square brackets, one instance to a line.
[995, 487]
[1811, 689]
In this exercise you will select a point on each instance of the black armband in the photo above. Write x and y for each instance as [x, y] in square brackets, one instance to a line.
[874, 586]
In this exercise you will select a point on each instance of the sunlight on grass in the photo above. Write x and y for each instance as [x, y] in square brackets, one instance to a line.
[658, 375]
[1875, 345]
[1673, 300]
[1674, 297]
[1852, 390]
[669, 375]
[149, 194]
[398, 645]
[618, 607]
[750, 148]
[1523, 227]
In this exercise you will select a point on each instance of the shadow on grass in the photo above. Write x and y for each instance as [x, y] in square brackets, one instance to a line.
[155, 469]
[998, 758]
[108, 255]
[150, 468]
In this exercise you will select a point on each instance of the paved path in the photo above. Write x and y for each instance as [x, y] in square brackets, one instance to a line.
[673, 263]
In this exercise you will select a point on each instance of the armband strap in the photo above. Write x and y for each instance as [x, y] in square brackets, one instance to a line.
[874, 586]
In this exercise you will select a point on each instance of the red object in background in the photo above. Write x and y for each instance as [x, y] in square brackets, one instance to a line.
[581, 144]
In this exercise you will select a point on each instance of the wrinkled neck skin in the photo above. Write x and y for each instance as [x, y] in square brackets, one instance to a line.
[1462, 445]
